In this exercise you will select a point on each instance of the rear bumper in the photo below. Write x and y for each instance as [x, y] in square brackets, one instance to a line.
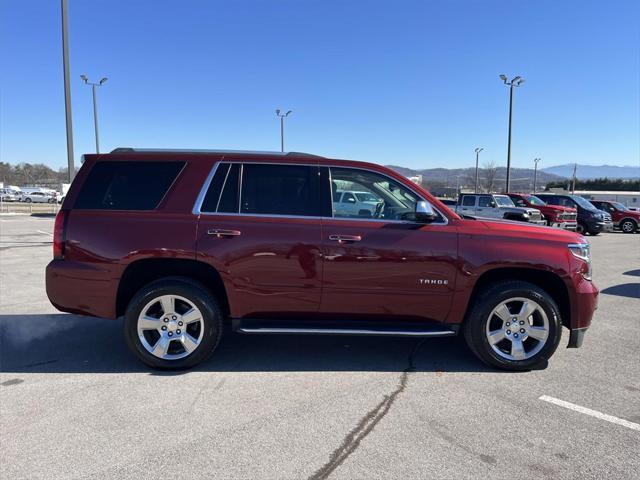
[81, 288]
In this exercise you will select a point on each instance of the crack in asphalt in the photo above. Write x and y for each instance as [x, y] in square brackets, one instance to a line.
[366, 424]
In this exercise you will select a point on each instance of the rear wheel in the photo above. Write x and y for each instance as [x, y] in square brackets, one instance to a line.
[513, 325]
[628, 226]
[173, 323]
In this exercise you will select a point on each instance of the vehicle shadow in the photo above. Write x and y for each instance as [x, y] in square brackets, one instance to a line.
[631, 290]
[61, 343]
[633, 273]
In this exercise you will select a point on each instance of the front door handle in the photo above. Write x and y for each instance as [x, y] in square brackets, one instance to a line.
[219, 232]
[345, 238]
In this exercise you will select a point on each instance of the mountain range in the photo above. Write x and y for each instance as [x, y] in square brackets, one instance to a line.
[520, 177]
[585, 172]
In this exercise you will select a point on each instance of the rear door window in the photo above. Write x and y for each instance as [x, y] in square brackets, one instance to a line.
[222, 196]
[127, 185]
[292, 190]
[485, 201]
[468, 201]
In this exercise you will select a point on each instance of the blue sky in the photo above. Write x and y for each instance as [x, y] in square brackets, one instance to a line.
[411, 83]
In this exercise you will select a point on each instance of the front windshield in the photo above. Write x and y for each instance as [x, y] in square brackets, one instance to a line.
[504, 201]
[583, 202]
[533, 200]
[619, 206]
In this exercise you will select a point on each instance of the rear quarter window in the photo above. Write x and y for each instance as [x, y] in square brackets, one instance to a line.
[127, 185]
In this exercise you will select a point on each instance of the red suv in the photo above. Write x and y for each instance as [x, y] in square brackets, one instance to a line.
[180, 242]
[626, 220]
[555, 215]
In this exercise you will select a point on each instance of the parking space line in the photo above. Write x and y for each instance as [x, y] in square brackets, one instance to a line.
[46, 233]
[593, 413]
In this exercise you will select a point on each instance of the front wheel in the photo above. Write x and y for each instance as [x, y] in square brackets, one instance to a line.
[513, 325]
[173, 323]
[628, 226]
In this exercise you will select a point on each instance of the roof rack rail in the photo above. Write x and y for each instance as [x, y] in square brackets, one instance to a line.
[185, 150]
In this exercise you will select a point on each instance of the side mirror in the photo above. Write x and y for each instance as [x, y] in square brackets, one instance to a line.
[493, 204]
[425, 212]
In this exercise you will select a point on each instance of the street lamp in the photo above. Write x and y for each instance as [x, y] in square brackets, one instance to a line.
[535, 174]
[95, 108]
[282, 116]
[67, 89]
[515, 82]
[478, 150]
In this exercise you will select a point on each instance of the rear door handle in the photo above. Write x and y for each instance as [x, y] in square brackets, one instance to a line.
[345, 238]
[219, 232]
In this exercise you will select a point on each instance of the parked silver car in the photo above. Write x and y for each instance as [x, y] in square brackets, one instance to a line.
[496, 206]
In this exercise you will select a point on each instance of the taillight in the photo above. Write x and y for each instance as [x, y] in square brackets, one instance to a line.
[59, 234]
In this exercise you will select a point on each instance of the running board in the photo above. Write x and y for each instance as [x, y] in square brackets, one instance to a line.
[375, 329]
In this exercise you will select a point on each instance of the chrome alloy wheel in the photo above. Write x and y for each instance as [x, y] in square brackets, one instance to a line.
[517, 329]
[628, 226]
[170, 327]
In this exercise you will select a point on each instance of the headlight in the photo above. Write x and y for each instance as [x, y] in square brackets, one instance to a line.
[583, 252]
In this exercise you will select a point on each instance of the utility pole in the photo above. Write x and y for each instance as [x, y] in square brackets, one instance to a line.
[95, 107]
[515, 82]
[67, 90]
[535, 174]
[478, 150]
[573, 179]
[282, 116]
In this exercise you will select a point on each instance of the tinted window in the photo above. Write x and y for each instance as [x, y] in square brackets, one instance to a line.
[210, 202]
[222, 195]
[280, 190]
[468, 201]
[127, 185]
[485, 201]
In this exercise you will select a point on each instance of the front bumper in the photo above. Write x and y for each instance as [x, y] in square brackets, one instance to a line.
[606, 226]
[565, 225]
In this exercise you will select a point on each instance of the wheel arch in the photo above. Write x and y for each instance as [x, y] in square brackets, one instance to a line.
[548, 281]
[142, 272]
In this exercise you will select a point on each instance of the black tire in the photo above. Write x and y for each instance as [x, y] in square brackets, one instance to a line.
[593, 232]
[197, 294]
[581, 228]
[628, 226]
[479, 315]
[27, 200]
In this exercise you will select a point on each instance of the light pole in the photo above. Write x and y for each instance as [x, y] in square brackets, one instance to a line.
[95, 108]
[282, 116]
[67, 90]
[535, 174]
[515, 82]
[478, 150]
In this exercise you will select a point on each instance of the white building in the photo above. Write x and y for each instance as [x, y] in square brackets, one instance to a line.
[629, 199]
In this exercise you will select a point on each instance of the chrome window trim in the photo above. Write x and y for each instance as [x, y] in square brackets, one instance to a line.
[197, 208]
[205, 188]
[224, 184]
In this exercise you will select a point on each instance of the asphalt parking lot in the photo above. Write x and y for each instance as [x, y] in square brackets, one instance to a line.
[74, 403]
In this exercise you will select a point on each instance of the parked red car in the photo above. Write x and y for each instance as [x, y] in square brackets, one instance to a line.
[626, 220]
[179, 242]
[555, 215]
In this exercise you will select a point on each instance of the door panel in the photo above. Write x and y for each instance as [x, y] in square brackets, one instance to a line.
[394, 269]
[270, 269]
[262, 233]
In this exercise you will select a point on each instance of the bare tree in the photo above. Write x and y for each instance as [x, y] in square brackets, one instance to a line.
[490, 170]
